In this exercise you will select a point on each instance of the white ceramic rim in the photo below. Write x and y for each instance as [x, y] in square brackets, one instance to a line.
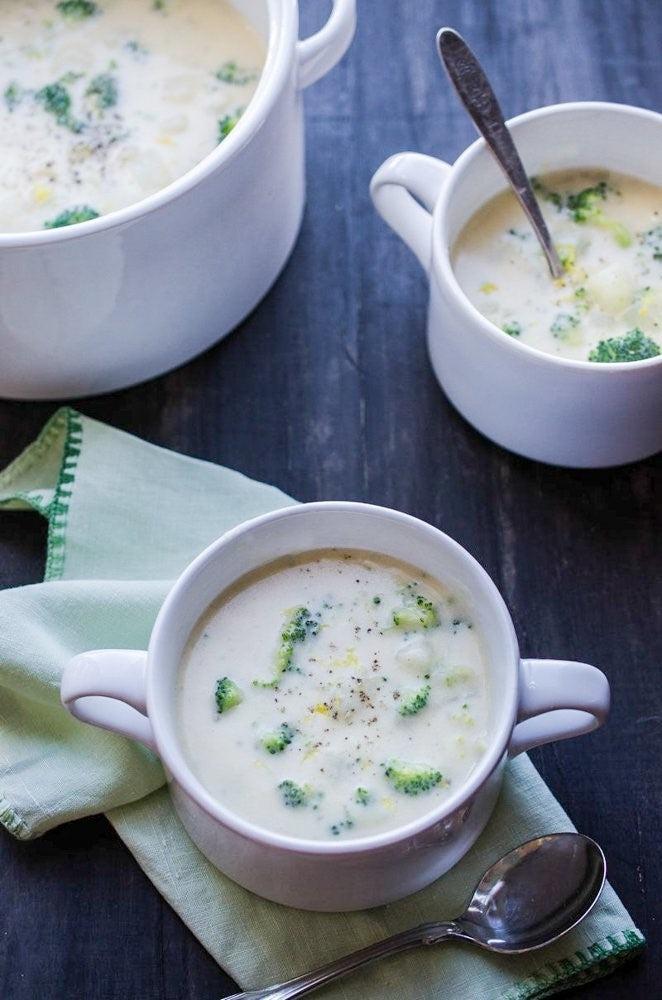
[283, 32]
[184, 777]
[441, 249]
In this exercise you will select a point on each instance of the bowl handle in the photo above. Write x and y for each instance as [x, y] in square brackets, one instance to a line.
[398, 187]
[320, 53]
[106, 688]
[558, 699]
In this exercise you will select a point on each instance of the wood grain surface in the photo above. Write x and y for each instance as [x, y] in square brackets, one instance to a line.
[326, 392]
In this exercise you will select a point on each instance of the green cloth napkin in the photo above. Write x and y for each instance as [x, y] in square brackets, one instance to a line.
[125, 517]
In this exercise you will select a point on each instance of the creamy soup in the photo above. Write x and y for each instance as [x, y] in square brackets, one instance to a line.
[334, 695]
[105, 103]
[608, 304]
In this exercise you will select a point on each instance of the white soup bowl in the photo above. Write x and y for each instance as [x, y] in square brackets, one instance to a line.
[557, 410]
[532, 702]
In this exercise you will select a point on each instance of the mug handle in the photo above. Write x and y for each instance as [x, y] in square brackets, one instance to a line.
[558, 699]
[397, 189]
[106, 688]
[320, 53]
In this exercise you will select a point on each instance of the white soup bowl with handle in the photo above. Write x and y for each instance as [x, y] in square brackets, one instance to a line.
[557, 410]
[134, 693]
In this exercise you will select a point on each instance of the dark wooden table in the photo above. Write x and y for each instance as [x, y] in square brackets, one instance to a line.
[326, 391]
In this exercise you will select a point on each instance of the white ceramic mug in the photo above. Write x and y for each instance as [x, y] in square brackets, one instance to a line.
[557, 410]
[106, 303]
[533, 702]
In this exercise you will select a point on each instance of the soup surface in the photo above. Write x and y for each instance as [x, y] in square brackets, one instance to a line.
[334, 695]
[608, 230]
[105, 103]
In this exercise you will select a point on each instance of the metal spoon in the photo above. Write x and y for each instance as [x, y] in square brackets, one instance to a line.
[475, 92]
[527, 900]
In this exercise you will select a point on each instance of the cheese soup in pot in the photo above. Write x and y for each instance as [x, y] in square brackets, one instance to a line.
[106, 102]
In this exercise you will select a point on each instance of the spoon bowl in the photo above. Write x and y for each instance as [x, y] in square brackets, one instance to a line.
[534, 894]
[526, 900]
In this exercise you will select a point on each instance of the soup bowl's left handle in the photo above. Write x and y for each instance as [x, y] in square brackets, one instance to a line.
[405, 190]
[106, 688]
[320, 53]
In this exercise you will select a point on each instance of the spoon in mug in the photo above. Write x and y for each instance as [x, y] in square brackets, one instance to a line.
[474, 90]
[528, 899]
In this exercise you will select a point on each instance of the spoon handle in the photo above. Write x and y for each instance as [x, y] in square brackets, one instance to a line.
[479, 99]
[424, 934]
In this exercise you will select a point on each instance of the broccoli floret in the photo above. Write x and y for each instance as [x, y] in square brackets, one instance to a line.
[586, 206]
[544, 192]
[301, 626]
[418, 612]
[376, 599]
[227, 695]
[296, 795]
[513, 329]
[362, 796]
[13, 95]
[632, 346]
[57, 102]
[71, 216]
[345, 824]
[230, 72]
[416, 701]
[412, 779]
[226, 124]
[102, 91]
[277, 741]
[563, 325]
[651, 239]
[77, 10]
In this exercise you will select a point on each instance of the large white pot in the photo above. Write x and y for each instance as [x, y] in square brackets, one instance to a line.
[557, 410]
[532, 702]
[121, 298]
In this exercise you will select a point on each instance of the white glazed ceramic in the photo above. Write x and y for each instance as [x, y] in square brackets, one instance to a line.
[534, 701]
[116, 300]
[566, 412]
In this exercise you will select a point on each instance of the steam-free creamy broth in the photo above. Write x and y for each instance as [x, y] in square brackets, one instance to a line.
[334, 695]
[608, 230]
[105, 103]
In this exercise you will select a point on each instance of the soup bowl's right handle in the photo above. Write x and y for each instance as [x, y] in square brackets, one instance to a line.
[558, 699]
[405, 190]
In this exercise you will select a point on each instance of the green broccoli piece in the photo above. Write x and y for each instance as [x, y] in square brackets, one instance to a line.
[57, 102]
[231, 72]
[13, 96]
[296, 795]
[227, 695]
[563, 325]
[300, 626]
[77, 10]
[586, 206]
[412, 779]
[345, 824]
[227, 123]
[418, 612]
[102, 92]
[71, 216]
[513, 329]
[651, 239]
[416, 702]
[362, 796]
[544, 192]
[632, 346]
[277, 741]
